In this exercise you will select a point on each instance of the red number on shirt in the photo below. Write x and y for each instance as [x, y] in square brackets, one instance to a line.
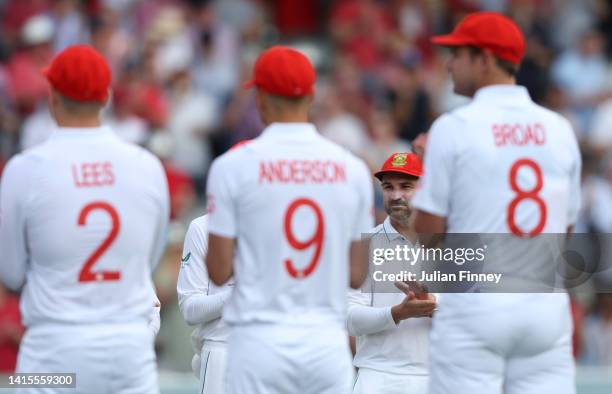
[86, 274]
[526, 195]
[316, 239]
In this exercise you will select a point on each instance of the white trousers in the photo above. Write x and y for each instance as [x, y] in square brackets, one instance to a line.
[211, 368]
[268, 359]
[371, 381]
[107, 359]
[525, 349]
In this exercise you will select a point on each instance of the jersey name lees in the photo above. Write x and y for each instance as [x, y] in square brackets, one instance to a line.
[93, 174]
[518, 134]
[301, 171]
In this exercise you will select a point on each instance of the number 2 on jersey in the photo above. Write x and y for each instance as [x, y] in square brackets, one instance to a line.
[316, 239]
[86, 274]
[522, 194]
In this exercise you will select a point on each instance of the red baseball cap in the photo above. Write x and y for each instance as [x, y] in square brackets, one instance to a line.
[240, 143]
[283, 71]
[487, 30]
[401, 163]
[80, 73]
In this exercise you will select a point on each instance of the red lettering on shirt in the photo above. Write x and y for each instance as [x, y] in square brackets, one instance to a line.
[210, 203]
[93, 174]
[518, 134]
[301, 171]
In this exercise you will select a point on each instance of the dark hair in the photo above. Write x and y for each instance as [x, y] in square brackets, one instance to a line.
[287, 100]
[509, 68]
[80, 107]
[408, 177]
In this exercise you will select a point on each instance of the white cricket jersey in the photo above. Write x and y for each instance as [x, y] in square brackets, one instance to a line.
[201, 301]
[483, 160]
[381, 344]
[83, 223]
[501, 164]
[293, 201]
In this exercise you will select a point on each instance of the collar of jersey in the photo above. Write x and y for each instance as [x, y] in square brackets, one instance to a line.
[81, 132]
[390, 231]
[290, 131]
[504, 93]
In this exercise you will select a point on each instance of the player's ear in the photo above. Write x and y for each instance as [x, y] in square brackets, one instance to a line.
[488, 59]
[259, 99]
[109, 100]
[53, 102]
[261, 104]
[309, 99]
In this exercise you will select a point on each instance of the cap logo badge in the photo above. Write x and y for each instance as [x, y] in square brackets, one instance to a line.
[399, 160]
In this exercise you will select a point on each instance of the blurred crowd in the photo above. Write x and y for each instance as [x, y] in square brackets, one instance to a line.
[178, 68]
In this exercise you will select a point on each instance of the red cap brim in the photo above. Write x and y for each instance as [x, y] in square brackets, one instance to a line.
[249, 84]
[379, 174]
[448, 40]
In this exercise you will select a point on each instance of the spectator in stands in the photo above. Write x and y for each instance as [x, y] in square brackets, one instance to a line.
[599, 138]
[385, 138]
[338, 124]
[217, 53]
[11, 330]
[597, 333]
[360, 29]
[410, 104]
[27, 83]
[582, 74]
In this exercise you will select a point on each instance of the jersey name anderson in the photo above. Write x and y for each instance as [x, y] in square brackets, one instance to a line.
[301, 171]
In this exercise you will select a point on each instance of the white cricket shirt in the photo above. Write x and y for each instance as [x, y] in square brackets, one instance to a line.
[381, 344]
[495, 151]
[201, 301]
[83, 223]
[501, 164]
[293, 201]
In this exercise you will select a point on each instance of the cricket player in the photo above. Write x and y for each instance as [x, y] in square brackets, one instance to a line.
[83, 225]
[285, 213]
[201, 304]
[500, 164]
[392, 329]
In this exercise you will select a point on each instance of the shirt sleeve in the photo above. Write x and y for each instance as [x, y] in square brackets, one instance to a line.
[363, 319]
[163, 218]
[154, 317]
[221, 204]
[365, 215]
[575, 185]
[13, 248]
[195, 303]
[434, 189]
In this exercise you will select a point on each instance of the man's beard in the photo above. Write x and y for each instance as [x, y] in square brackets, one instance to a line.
[398, 215]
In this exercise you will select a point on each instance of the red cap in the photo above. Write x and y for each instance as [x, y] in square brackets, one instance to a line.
[401, 163]
[79, 73]
[240, 143]
[283, 71]
[487, 30]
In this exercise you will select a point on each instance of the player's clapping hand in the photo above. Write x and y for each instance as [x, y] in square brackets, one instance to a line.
[413, 306]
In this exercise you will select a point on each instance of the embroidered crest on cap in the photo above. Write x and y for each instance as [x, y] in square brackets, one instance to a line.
[399, 160]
